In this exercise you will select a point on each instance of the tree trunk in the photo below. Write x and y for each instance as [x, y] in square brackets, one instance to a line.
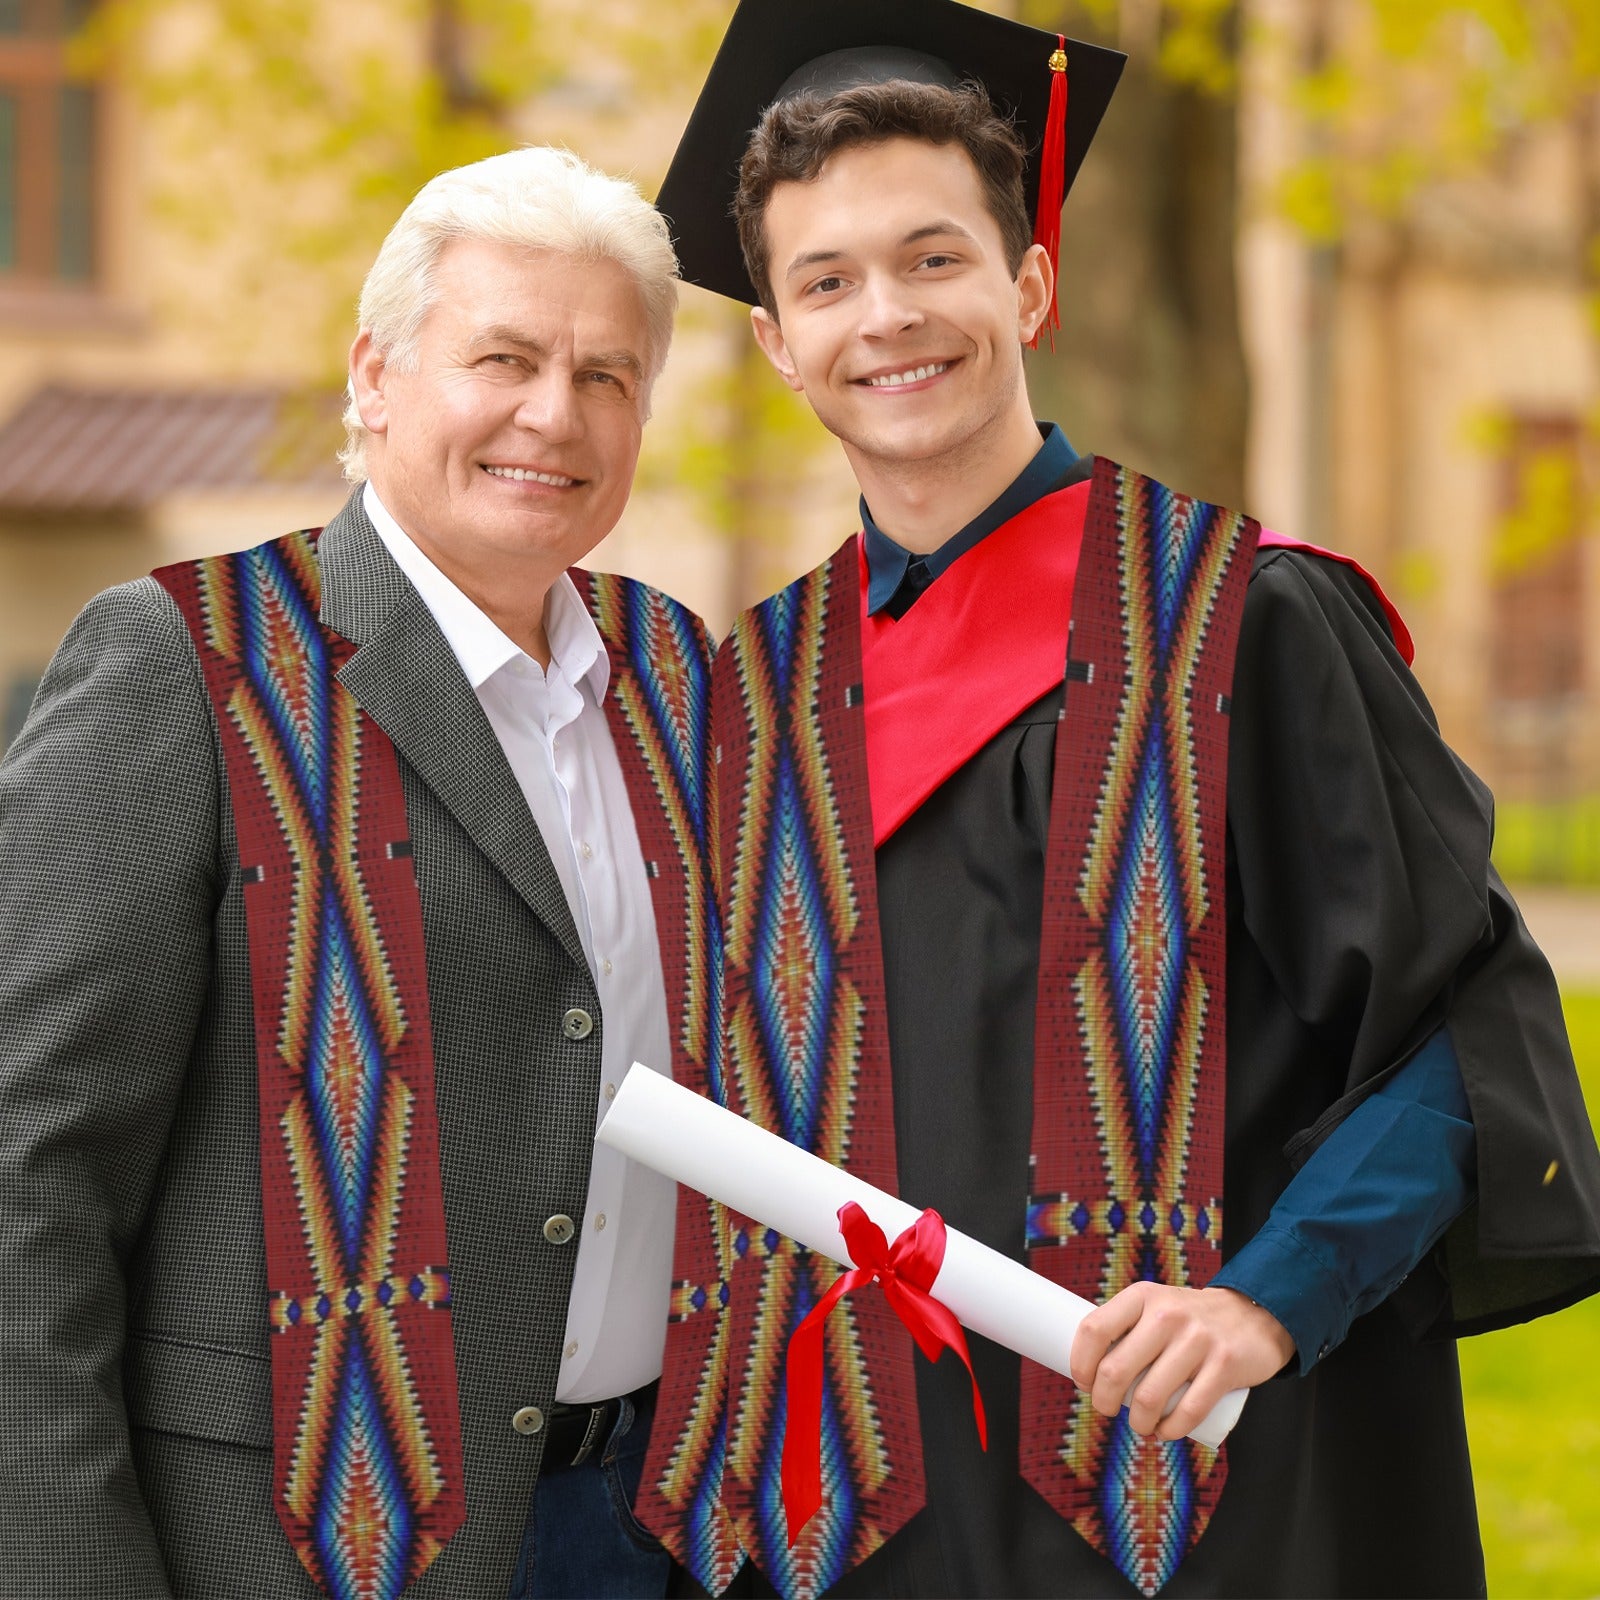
[1149, 367]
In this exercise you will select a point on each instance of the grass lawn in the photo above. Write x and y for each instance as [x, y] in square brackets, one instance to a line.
[1533, 1414]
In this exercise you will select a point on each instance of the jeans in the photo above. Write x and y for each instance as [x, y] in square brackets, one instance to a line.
[582, 1541]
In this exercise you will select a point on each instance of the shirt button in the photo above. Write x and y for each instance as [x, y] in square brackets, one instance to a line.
[600, 1223]
[588, 850]
[607, 968]
[530, 1419]
[611, 1091]
[571, 1350]
[577, 1023]
[559, 1229]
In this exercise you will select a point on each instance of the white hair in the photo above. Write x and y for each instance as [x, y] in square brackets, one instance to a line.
[536, 197]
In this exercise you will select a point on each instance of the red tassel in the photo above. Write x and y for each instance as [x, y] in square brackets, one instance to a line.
[1052, 182]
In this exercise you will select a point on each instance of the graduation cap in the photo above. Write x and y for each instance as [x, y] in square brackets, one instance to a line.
[1055, 91]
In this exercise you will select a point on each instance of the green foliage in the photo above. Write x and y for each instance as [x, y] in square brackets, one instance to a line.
[1309, 197]
[1533, 1417]
[1399, 94]
[1195, 41]
[743, 441]
[1551, 503]
[1548, 842]
[1417, 575]
[1551, 509]
[1197, 46]
[293, 135]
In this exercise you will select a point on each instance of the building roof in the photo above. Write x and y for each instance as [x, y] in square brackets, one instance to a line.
[67, 450]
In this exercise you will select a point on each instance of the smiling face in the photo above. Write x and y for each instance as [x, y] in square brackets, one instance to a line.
[508, 451]
[898, 316]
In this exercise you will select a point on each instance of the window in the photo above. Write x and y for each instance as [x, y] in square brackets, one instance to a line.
[47, 147]
[1540, 572]
[1537, 566]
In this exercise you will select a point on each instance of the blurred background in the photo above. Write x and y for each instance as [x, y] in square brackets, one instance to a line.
[1334, 262]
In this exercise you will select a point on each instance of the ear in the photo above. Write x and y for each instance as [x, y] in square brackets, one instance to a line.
[1036, 283]
[367, 373]
[774, 347]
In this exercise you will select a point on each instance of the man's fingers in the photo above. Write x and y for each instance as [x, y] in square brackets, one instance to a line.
[1101, 1329]
[1123, 1364]
[1154, 1338]
[1179, 1360]
[1206, 1387]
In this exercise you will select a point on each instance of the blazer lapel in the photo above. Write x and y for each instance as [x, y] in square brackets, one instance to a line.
[406, 677]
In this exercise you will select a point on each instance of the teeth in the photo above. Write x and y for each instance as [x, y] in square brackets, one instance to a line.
[518, 475]
[913, 375]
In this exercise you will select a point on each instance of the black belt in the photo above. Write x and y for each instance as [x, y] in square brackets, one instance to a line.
[574, 1433]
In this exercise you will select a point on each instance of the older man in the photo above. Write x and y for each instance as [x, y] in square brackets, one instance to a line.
[338, 882]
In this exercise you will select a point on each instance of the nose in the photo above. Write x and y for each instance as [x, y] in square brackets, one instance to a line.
[549, 406]
[888, 308]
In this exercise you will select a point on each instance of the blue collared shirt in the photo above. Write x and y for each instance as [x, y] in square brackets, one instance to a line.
[1367, 1206]
[895, 574]
[1379, 1192]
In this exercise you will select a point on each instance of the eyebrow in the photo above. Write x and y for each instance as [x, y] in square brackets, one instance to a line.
[503, 333]
[940, 228]
[623, 360]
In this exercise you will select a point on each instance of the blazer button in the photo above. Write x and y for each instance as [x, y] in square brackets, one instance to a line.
[577, 1024]
[530, 1419]
[559, 1229]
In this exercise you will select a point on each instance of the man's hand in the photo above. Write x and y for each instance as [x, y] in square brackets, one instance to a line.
[1212, 1339]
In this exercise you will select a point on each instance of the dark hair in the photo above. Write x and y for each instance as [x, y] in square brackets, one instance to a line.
[795, 138]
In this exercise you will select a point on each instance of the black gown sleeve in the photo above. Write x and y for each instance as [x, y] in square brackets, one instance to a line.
[1361, 883]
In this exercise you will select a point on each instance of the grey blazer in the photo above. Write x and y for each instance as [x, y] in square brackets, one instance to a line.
[135, 1446]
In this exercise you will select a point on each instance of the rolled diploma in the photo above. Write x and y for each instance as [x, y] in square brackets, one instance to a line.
[675, 1131]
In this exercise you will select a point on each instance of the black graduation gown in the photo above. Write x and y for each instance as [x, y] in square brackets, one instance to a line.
[1362, 912]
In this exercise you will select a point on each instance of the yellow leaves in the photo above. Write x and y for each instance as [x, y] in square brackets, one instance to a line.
[1550, 511]
[1308, 195]
[1489, 430]
[1417, 575]
[1197, 45]
[1408, 93]
[1327, 93]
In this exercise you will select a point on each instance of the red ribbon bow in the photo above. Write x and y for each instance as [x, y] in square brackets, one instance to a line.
[906, 1269]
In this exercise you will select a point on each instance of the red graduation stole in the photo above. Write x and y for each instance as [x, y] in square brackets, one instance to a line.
[368, 1478]
[1130, 1020]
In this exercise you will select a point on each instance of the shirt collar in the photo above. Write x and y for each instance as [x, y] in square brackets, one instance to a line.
[478, 642]
[887, 561]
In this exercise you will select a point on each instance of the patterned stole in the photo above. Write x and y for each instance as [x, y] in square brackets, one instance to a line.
[368, 1479]
[1129, 1047]
[660, 666]
[1130, 1034]
[808, 1056]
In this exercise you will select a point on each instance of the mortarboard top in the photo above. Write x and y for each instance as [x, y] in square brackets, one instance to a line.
[777, 48]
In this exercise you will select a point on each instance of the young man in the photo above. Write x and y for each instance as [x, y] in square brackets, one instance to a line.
[341, 880]
[1162, 951]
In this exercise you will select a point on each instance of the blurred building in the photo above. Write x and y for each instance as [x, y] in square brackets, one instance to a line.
[1426, 396]
[121, 445]
[1423, 394]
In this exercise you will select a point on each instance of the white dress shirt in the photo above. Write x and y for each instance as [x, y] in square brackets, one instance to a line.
[550, 724]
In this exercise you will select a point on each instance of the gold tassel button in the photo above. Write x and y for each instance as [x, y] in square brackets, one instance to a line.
[1058, 62]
